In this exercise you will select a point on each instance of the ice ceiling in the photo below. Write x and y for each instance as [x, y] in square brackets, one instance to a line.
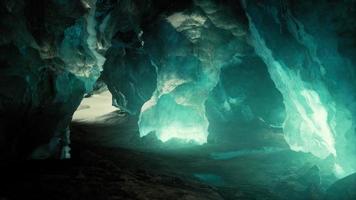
[187, 69]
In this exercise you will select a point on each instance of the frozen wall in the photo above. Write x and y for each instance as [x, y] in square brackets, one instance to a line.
[300, 44]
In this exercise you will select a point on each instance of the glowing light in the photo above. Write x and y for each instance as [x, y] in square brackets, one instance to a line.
[95, 108]
[170, 120]
[187, 134]
[306, 127]
[317, 120]
[339, 171]
[177, 19]
[171, 115]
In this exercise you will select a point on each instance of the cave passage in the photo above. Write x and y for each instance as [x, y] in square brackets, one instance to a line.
[189, 99]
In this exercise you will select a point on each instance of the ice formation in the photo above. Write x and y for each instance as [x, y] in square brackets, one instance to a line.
[185, 78]
[304, 68]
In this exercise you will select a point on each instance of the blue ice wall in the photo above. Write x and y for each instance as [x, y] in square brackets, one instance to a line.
[188, 50]
[300, 45]
[176, 108]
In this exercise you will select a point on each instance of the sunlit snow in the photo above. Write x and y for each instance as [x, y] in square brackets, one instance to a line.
[94, 108]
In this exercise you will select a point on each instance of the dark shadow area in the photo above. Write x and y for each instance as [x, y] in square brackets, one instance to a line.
[110, 161]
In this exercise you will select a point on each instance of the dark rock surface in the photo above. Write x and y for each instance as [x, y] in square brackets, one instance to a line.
[37, 94]
[89, 175]
[110, 161]
[343, 189]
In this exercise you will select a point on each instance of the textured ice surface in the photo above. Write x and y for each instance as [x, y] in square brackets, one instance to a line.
[306, 127]
[188, 55]
[176, 109]
[303, 60]
[80, 47]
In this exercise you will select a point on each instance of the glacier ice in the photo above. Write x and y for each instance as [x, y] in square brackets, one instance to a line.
[303, 61]
[306, 127]
[184, 80]
[176, 109]
[80, 47]
[189, 50]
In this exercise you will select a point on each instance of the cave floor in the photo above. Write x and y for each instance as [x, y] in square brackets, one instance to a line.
[110, 161]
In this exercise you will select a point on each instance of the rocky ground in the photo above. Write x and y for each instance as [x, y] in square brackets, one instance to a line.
[109, 161]
[90, 176]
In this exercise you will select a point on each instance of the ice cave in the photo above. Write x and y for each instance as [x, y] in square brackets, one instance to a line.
[181, 100]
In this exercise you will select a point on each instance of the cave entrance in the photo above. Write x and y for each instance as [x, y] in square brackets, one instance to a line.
[95, 107]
